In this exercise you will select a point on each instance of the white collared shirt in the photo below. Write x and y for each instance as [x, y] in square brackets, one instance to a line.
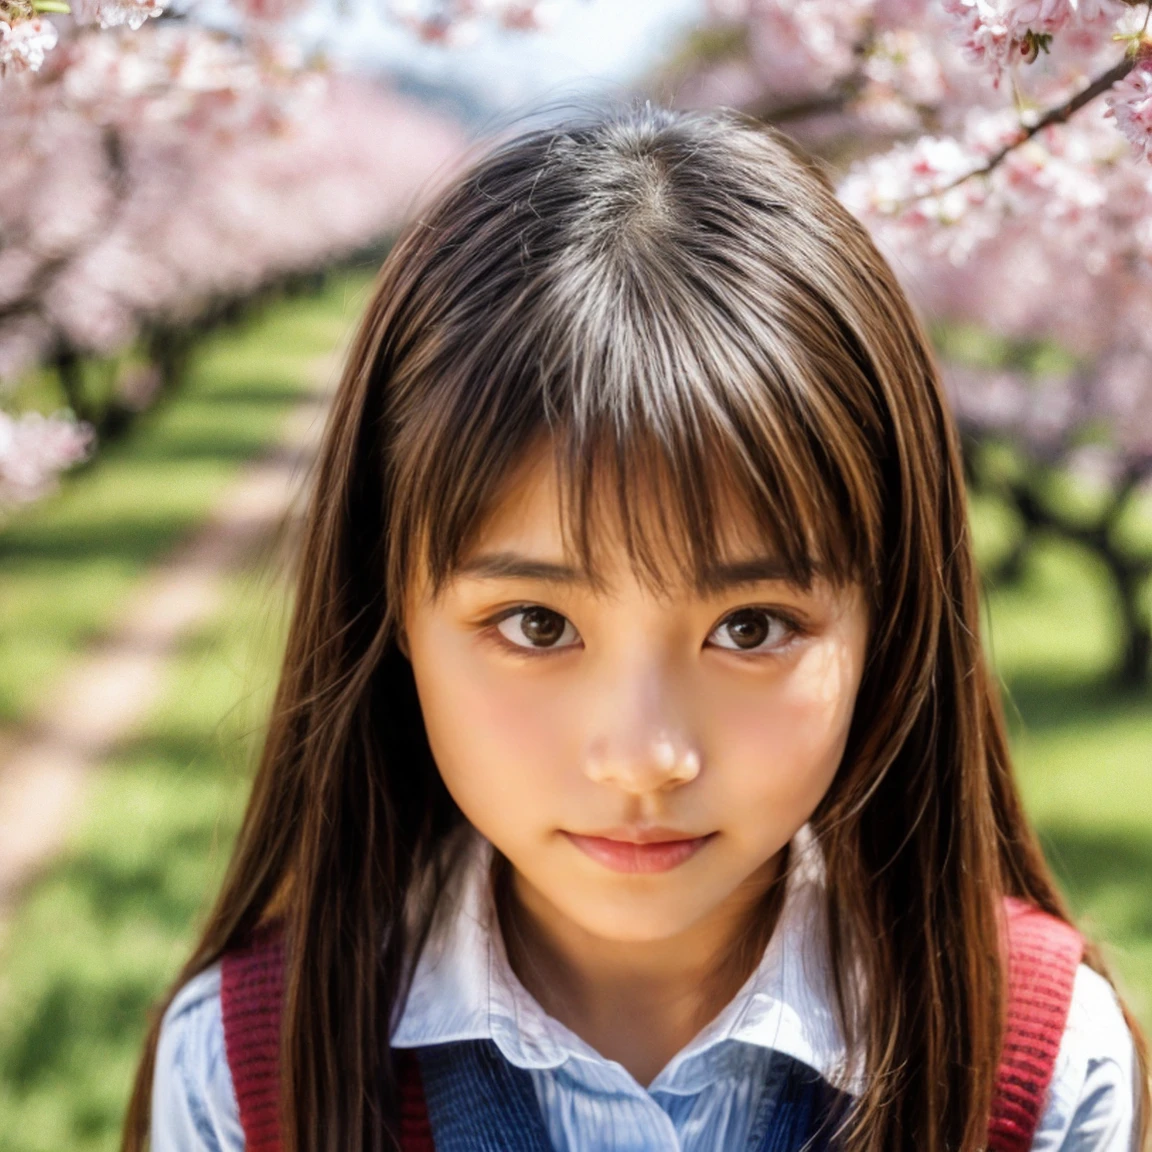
[704, 1098]
[463, 988]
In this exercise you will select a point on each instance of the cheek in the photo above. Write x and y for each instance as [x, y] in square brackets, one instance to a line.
[778, 746]
[501, 737]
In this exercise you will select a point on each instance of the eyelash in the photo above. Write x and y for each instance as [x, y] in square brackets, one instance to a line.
[795, 631]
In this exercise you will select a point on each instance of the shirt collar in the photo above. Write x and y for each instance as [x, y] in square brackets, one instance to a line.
[463, 987]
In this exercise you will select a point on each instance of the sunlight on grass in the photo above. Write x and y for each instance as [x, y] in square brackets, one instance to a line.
[109, 926]
[1084, 751]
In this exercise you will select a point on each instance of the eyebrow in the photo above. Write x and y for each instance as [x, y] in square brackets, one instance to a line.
[718, 577]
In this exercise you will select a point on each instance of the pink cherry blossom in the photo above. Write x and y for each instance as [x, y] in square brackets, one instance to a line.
[1042, 15]
[24, 44]
[983, 31]
[187, 73]
[1016, 17]
[1130, 104]
[34, 450]
[1001, 34]
[113, 13]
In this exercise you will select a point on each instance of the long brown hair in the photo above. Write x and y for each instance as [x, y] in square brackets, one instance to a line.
[675, 300]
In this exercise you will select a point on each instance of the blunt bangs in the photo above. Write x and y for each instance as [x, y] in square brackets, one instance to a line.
[644, 311]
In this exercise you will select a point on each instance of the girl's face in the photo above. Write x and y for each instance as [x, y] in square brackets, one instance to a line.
[640, 760]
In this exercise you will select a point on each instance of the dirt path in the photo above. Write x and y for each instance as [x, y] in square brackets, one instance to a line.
[105, 693]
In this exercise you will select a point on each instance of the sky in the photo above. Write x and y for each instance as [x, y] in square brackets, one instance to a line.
[590, 48]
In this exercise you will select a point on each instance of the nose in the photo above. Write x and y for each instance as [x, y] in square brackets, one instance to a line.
[640, 743]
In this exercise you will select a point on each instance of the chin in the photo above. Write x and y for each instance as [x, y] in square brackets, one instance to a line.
[641, 918]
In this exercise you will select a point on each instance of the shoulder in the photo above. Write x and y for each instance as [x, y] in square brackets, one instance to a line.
[1091, 1103]
[193, 1103]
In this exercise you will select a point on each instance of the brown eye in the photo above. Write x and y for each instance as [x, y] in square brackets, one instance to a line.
[540, 627]
[751, 628]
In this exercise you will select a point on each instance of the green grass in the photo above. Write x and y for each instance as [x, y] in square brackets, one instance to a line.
[68, 565]
[1083, 751]
[109, 924]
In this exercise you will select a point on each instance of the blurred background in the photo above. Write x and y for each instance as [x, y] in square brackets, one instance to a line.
[193, 203]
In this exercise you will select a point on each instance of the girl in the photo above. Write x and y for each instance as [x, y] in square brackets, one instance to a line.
[635, 780]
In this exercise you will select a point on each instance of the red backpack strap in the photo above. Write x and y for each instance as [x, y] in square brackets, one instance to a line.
[251, 994]
[251, 1000]
[1043, 954]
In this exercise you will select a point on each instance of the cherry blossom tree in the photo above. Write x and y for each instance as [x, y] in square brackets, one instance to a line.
[157, 173]
[122, 229]
[157, 223]
[34, 449]
[999, 152]
[156, 176]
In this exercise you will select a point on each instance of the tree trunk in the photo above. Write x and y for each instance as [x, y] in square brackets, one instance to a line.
[1134, 670]
[168, 350]
[69, 371]
[1009, 569]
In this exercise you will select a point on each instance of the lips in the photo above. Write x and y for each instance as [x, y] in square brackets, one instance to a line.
[640, 850]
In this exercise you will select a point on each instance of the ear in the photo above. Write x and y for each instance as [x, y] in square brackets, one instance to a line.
[402, 642]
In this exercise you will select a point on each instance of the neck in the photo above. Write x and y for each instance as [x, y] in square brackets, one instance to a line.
[637, 1002]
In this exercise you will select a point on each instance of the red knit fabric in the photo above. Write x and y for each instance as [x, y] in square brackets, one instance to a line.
[251, 994]
[1043, 955]
[251, 990]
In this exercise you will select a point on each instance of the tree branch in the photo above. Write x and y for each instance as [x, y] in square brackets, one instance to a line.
[1057, 115]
